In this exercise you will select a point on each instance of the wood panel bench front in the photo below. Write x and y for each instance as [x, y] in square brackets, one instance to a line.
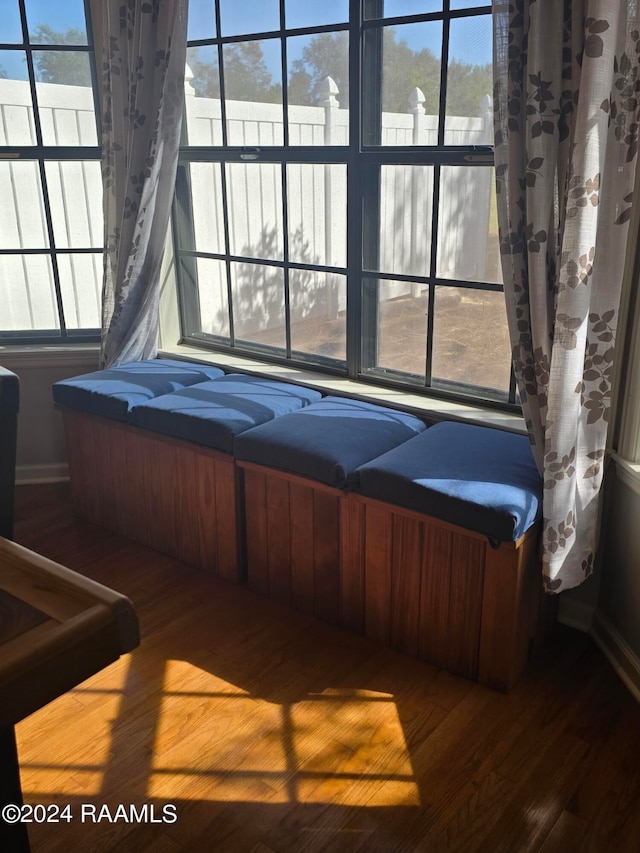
[423, 586]
[177, 497]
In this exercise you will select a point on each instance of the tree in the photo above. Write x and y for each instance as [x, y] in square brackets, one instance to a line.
[206, 80]
[466, 87]
[402, 70]
[70, 68]
[246, 76]
[326, 55]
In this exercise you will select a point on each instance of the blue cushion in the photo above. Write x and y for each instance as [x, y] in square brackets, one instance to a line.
[213, 413]
[111, 393]
[478, 478]
[328, 440]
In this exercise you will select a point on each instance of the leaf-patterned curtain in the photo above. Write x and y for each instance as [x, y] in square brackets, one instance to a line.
[142, 89]
[566, 139]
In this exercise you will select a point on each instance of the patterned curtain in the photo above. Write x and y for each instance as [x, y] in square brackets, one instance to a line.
[143, 59]
[566, 141]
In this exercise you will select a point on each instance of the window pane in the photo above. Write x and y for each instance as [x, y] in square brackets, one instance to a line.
[22, 220]
[401, 326]
[27, 293]
[318, 313]
[81, 287]
[55, 22]
[258, 304]
[11, 27]
[406, 204]
[468, 228]
[395, 8]
[201, 23]
[250, 16]
[318, 89]
[253, 92]
[470, 82]
[212, 295]
[64, 67]
[299, 14]
[75, 195]
[65, 98]
[317, 211]
[206, 207]
[16, 107]
[202, 97]
[408, 89]
[255, 210]
[471, 341]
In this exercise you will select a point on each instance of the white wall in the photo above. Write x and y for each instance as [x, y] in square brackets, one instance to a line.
[41, 455]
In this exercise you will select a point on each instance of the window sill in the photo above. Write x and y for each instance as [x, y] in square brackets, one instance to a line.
[425, 407]
[628, 472]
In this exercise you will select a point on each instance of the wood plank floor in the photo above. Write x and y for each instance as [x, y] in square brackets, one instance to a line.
[270, 732]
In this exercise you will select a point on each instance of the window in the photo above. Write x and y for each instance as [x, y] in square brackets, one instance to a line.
[334, 202]
[50, 183]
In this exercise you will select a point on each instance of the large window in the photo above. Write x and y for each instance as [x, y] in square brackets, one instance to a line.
[334, 203]
[50, 184]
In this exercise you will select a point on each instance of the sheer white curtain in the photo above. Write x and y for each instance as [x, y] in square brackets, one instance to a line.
[566, 136]
[140, 57]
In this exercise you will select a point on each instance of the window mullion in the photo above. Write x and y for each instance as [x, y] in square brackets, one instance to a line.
[354, 330]
[227, 250]
[285, 246]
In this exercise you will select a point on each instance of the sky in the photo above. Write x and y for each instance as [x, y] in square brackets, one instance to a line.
[470, 39]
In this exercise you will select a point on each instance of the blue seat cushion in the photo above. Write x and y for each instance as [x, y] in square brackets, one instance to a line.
[478, 478]
[112, 393]
[213, 413]
[328, 440]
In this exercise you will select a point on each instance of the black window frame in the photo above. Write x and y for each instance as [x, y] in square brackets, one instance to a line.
[43, 154]
[363, 163]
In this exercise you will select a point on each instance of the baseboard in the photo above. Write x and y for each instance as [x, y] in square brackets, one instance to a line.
[575, 614]
[31, 475]
[618, 652]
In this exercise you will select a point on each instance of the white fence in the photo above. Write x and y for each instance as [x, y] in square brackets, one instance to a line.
[27, 293]
[316, 209]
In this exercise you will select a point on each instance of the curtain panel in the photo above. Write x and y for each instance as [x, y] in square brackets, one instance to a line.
[566, 98]
[142, 92]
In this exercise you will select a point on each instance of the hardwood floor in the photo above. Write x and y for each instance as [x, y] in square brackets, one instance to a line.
[270, 732]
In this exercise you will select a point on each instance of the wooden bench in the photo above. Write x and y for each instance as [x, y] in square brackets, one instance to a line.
[315, 506]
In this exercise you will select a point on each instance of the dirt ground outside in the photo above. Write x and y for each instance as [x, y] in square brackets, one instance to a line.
[470, 345]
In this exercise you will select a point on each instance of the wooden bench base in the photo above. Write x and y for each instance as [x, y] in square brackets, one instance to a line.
[422, 586]
[176, 497]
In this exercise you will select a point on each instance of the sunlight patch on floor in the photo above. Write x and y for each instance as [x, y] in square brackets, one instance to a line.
[65, 747]
[218, 743]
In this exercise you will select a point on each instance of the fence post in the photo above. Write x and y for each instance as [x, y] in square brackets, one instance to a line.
[188, 80]
[328, 100]
[416, 100]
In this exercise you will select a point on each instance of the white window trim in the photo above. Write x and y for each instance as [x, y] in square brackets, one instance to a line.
[627, 394]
